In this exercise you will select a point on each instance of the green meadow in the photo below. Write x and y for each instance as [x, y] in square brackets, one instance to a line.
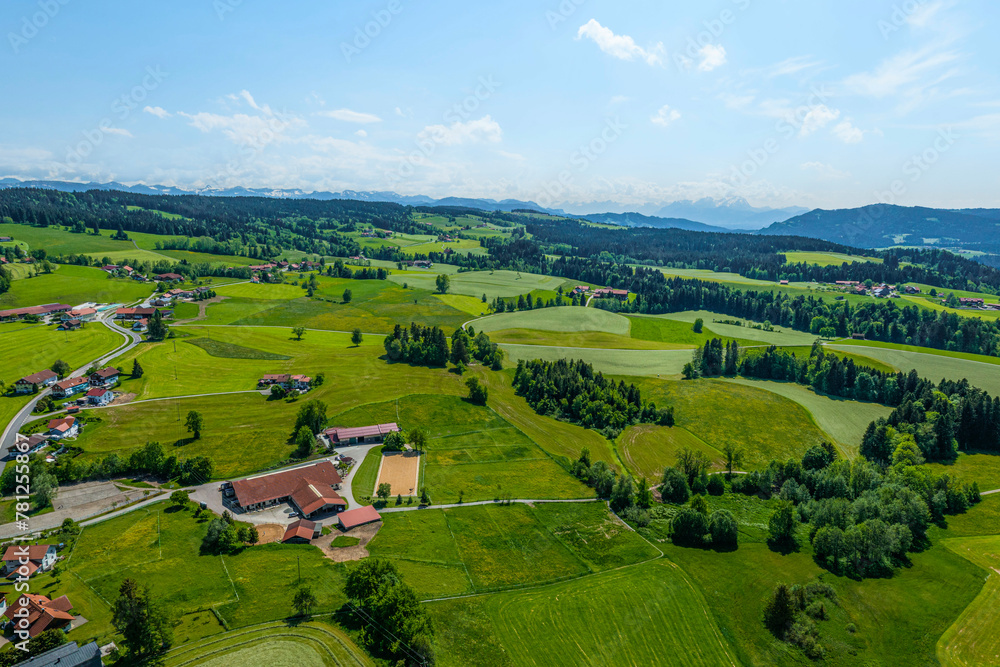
[933, 366]
[73, 285]
[974, 637]
[827, 258]
[477, 283]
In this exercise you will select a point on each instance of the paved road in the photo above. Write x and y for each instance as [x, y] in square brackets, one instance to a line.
[131, 340]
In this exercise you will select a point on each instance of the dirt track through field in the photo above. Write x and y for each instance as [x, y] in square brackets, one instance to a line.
[401, 470]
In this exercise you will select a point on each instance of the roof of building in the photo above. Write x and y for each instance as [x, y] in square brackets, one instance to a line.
[358, 517]
[39, 377]
[337, 434]
[302, 529]
[168, 276]
[42, 613]
[310, 497]
[67, 655]
[62, 424]
[98, 391]
[71, 382]
[35, 552]
[107, 372]
[283, 484]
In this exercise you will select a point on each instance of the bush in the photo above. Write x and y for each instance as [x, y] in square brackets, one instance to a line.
[716, 486]
[637, 516]
[689, 527]
[700, 486]
[725, 531]
[674, 487]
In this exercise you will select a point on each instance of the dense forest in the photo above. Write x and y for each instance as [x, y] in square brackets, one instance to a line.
[572, 390]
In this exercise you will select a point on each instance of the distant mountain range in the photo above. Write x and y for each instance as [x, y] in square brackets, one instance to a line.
[640, 220]
[883, 225]
[733, 212]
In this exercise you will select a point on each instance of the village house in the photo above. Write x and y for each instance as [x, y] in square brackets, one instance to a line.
[100, 396]
[30, 383]
[138, 276]
[110, 268]
[361, 434]
[67, 655]
[25, 560]
[69, 325]
[83, 314]
[168, 277]
[30, 444]
[5, 239]
[106, 377]
[619, 294]
[140, 313]
[782, 282]
[43, 614]
[310, 489]
[358, 517]
[70, 386]
[63, 427]
[971, 303]
[141, 326]
[302, 531]
[289, 382]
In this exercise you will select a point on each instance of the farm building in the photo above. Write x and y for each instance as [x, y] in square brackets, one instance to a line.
[361, 434]
[70, 386]
[301, 531]
[25, 560]
[299, 382]
[82, 314]
[620, 294]
[28, 384]
[43, 614]
[168, 277]
[141, 326]
[70, 325]
[63, 427]
[41, 311]
[359, 517]
[310, 489]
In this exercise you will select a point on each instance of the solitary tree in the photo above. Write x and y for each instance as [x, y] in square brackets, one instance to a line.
[194, 423]
[425, 499]
[347, 296]
[443, 283]
[142, 624]
[136, 369]
[298, 332]
[304, 601]
[417, 438]
[61, 368]
[254, 535]
[179, 497]
[478, 393]
[44, 486]
[384, 491]
[357, 337]
[699, 324]
[305, 441]
[733, 456]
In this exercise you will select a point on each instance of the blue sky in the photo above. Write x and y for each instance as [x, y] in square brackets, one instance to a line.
[822, 103]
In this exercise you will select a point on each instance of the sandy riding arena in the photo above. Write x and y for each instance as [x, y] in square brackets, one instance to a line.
[401, 470]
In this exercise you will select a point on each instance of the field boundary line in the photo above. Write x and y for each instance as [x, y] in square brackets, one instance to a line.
[91, 588]
[458, 550]
[231, 582]
[531, 511]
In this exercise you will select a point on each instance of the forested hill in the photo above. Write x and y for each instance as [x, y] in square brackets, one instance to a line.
[218, 217]
[883, 225]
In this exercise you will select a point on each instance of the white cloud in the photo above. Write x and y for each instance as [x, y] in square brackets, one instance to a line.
[848, 133]
[908, 72]
[118, 131]
[817, 118]
[925, 13]
[622, 47]
[665, 116]
[474, 131]
[349, 116]
[512, 156]
[824, 172]
[790, 66]
[712, 56]
[361, 133]
[618, 99]
[159, 112]
[737, 102]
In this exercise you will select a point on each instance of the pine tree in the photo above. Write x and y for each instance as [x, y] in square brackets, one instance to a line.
[136, 369]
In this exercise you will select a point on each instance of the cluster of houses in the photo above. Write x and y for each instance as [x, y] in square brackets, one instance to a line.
[265, 272]
[102, 379]
[420, 263]
[883, 291]
[608, 293]
[286, 381]
[377, 234]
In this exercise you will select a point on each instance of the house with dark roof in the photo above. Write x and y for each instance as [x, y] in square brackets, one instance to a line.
[69, 325]
[68, 387]
[42, 614]
[31, 383]
[67, 655]
[311, 489]
[286, 380]
[302, 531]
[106, 377]
[168, 277]
[24, 560]
[360, 434]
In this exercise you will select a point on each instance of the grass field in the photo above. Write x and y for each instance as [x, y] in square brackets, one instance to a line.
[284, 644]
[28, 348]
[477, 283]
[472, 452]
[843, 420]
[922, 350]
[648, 614]
[981, 468]
[73, 285]
[563, 320]
[934, 367]
[648, 449]
[763, 424]
[974, 638]
[827, 258]
[654, 363]
[780, 336]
